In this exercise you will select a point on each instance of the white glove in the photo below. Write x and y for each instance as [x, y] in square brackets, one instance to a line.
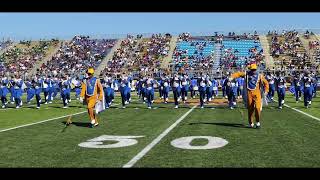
[81, 99]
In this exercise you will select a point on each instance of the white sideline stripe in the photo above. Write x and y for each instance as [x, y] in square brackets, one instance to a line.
[43, 121]
[156, 141]
[302, 112]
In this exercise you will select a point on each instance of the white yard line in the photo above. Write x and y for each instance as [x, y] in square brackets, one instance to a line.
[313, 117]
[142, 153]
[47, 120]
[299, 111]
[41, 121]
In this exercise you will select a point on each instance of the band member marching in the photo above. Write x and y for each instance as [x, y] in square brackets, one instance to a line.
[297, 81]
[150, 91]
[308, 89]
[185, 81]
[202, 89]
[166, 88]
[65, 90]
[4, 91]
[272, 87]
[17, 92]
[176, 88]
[281, 89]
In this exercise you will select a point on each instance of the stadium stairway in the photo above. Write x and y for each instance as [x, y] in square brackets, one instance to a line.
[266, 51]
[105, 60]
[47, 58]
[305, 43]
[217, 56]
[166, 61]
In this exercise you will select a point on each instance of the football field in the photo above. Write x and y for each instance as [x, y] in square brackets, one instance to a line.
[160, 137]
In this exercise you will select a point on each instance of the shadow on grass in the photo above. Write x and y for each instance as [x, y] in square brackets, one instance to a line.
[235, 125]
[79, 124]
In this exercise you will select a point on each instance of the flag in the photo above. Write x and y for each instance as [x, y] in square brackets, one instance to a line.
[100, 105]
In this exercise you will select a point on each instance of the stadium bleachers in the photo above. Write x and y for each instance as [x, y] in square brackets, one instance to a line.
[76, 56]
[22, 57]
[242, 50]
[194, 54]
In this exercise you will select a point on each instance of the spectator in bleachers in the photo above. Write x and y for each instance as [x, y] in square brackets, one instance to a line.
[78, 55]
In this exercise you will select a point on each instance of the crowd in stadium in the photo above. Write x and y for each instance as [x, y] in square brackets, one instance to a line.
[122, 57]
[76, 56]
[288, 43]
[139, 54]
[22, 59]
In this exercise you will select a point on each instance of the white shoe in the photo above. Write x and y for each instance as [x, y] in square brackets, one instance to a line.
[201, 107]
[251, 125]
[231, 108]
[144, 102]
[123, 107]
[50, 102]
[69, 100]
[93, 121]
[309, 102]
[149, 107]
[176, 107]
[65, 107]
[234, 103]
[145, 98]
[210, 99]
[40, 100]
[152, 101]
[96, 124]
[11, 102]
[38, 107]
[3, 106]
[280, 107]
[21, 103]
[126, 102]
[46, 103]
[107, 107]
[258, 124]
[282, 102]
[165, 102]
[226, 97]
[17, 107]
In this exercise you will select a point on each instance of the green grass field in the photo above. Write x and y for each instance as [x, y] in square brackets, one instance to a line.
[287, 138]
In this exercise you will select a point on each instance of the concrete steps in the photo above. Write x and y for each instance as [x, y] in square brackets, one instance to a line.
[269, 61]
[109, 56]
[168, 59]
[217, 56]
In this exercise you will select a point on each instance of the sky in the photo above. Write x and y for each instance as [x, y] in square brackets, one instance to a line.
[65, 25]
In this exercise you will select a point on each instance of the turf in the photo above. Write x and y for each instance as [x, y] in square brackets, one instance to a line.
[287, 138]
